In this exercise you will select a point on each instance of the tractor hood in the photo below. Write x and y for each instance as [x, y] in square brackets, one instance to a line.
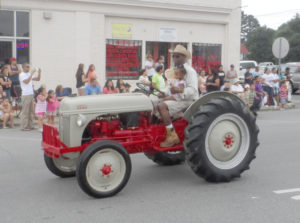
[105, 104]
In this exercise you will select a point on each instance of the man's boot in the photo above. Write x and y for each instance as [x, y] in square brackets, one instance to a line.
[171, 140]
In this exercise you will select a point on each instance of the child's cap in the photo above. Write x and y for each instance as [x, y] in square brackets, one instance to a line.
[247, 86]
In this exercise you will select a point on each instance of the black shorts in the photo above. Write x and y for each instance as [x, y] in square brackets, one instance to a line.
[15, 91]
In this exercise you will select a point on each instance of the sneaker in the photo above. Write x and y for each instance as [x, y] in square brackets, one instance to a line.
[40, 130]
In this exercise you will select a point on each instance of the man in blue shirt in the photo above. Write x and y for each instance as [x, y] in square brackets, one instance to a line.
[93, 88]
[248, 76]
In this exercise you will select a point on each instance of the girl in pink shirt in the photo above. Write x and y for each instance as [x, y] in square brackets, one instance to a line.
[109, 88]
[41, 107]
[52, 105]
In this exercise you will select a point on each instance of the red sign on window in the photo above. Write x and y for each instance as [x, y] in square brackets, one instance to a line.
[122, 61]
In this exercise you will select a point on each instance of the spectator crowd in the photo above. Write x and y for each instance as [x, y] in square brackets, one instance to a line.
[17, 90]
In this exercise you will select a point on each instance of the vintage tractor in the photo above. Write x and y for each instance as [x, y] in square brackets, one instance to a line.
[96, 134]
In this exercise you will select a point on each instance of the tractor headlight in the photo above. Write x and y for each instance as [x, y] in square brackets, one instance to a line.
[81, 119]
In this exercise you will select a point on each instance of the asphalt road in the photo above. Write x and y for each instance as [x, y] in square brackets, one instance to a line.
[30, 193]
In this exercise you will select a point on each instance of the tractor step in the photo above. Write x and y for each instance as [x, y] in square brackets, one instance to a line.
[177, 147]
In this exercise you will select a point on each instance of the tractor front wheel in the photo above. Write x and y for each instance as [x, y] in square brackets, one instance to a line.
[221, 140]
[103, 169]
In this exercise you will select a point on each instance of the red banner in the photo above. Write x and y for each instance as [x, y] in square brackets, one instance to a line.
[122, 61]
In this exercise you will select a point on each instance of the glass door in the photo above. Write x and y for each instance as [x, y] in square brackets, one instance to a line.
[6, 51]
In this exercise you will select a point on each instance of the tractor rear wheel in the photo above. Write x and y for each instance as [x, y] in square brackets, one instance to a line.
[167, 158]
[103, 169]
[221, 140]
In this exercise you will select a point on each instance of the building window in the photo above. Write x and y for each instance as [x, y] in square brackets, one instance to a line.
[22, 24]
[14, 36]
[206, 56]
[22, 50]
[123, 58]
[6, 23]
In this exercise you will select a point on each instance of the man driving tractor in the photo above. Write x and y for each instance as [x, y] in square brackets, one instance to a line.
[189, 93]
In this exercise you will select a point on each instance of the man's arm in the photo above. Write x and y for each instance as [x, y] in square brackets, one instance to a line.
[26, 81]
[38, 78]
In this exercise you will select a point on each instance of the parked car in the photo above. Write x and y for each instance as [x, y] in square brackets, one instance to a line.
[295, 74]
[244, 65]
[266, 64]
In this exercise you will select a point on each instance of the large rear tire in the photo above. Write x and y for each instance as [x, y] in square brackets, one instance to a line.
[167, 158]
[221, 140]
[103, 169]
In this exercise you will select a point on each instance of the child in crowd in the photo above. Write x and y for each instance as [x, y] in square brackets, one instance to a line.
[41, 106]
[283, 95]
[52, 105]
[259, 94]
[225, 86]
[6, 113]
[179, 83]
[250, 96]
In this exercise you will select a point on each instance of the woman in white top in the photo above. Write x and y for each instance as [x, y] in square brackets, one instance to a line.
[276, 87]
[144, 78]
[231, 75]
[268, 81]
[201, 82]
[149, 65]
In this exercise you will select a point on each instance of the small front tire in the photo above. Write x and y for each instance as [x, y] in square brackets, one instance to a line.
[103, 169]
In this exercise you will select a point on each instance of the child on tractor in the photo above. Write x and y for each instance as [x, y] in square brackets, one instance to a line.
[179, 83]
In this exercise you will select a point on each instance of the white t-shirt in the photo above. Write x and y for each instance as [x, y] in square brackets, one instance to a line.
[143, 79]
[268, 79]
[27, 89]
[237, 89]
[151, 71]
[275, 78]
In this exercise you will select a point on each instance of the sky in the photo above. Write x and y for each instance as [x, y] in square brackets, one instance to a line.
[271, 13]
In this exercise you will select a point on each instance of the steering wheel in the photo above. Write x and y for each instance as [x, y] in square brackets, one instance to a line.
[146, 89]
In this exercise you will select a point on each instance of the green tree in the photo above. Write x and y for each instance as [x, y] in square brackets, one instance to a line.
[259, 44]
[249, 24]
[291, 31]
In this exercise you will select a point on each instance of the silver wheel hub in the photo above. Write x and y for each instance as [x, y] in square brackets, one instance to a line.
[227, 141]
[105, 170]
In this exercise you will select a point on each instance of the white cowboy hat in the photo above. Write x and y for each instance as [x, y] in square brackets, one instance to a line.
[181, 50]
[236, 81]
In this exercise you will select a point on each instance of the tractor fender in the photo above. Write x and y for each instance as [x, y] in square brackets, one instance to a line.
[196, 106]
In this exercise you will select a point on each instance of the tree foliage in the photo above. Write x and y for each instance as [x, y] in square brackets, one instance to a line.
[259, 44]
[291, 31]
[249, 24]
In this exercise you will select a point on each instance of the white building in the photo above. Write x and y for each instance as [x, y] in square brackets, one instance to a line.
[115, 35]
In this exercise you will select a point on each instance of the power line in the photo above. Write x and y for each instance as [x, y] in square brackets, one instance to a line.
[280, 12]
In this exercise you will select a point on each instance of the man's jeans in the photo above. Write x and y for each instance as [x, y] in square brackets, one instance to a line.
[269, 90]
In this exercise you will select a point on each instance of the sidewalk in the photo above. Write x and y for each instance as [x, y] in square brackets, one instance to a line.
[277, 108]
